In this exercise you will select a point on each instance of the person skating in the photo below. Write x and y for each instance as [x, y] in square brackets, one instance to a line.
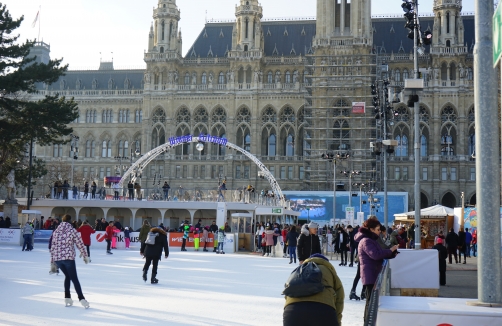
[269, 241]
[468, 242]
[153, 253]
[442, 255]
[143, 232]
[323, 308]
[214, 230]
[64, 240]
[85, 233]
[351, 232]
[116, 232]
[341, 242]
[308, 242]
[127, 237]
[109, 237]
[205, 237]
[196, 239]
[461, 246]
[221, 240]
[186, 230]
[292, 239]
[27, 236]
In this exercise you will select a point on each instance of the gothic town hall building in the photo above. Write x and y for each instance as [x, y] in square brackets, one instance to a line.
[284, 91]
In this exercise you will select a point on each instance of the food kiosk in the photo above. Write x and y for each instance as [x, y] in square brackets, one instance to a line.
[432, 220]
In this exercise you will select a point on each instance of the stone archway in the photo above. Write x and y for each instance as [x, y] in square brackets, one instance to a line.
[449, 200]
[138, 167]
[424, 201]
[472, 201]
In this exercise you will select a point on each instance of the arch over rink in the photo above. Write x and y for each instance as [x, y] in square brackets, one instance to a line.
[143, 161]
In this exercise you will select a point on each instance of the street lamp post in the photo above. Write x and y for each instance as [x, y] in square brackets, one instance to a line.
[120, 158]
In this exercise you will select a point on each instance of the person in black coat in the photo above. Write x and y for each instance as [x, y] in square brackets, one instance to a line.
[442, 254]
[461, 246]
[292, 240]
[153, 253]
[352, 244]
[308, 242]
[341, 242]
[451, 245]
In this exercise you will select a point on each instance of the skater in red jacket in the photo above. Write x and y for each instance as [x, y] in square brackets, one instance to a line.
[85, 233]
[109, 237]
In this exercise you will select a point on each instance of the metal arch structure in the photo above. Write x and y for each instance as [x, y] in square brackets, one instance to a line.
[144, 160]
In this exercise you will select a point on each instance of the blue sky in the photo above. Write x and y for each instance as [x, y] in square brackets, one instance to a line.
[78, 30]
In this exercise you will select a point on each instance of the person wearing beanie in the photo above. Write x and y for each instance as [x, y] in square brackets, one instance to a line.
[308, 242]
[186, 231]
[442, 255]
[64, 240]
[153, 253]
[326, 305]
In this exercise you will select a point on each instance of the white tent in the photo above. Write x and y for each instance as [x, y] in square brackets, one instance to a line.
[433, 212]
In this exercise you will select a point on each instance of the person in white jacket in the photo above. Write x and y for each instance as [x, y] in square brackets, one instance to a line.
[259, 232]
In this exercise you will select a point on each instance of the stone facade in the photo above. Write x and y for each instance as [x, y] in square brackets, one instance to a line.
[248, 81]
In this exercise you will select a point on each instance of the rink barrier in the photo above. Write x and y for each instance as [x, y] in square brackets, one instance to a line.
[382, 287]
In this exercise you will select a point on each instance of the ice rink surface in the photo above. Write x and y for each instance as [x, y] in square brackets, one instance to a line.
[195, 288]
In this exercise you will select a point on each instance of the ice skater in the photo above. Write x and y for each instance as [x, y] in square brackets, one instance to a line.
[205, 237]
[153, 253]
[214, 230]
[127, 237]
[116, 232]
[221, 240]
[64, 240]
[185, 237]
[85, 233]
[109, 237]
[196, 239]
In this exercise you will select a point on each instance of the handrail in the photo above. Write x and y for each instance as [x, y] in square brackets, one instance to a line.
[371, 318]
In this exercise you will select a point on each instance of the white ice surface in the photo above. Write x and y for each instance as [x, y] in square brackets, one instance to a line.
[195, 288]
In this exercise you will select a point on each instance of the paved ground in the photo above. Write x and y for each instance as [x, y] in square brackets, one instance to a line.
[461, 279]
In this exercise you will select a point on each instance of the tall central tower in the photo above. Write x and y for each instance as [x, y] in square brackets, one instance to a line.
[343, 18]
[339, 73]
[247, 35]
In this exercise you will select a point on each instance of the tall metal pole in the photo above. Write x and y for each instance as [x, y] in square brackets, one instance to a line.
[385, 206]
[417, 137]
[334, 191]
[350, 188]
[28, 204]
[488, 154]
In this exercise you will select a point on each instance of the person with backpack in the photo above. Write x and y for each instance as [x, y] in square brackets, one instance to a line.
[308, 242]
[155, 242]
[85, 233]
[325, 305]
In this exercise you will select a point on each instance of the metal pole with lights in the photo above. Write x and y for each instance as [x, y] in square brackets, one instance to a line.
[73, 153]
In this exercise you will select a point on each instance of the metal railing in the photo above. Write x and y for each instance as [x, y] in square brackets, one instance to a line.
[382, 287]
[239, 195]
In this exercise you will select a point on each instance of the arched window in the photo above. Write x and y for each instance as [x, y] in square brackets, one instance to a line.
[448, 114]
[121, 149]
[187, 78]
[221, 78]
[290, 145]
[472, 142]
[423, 146]
[448, 22]
[269, 115]
[405, 74]
[401, 149]
[469, 74]
[341, 131]
[271, 145]
[453, 71]
[247, 142]
[158, 136]
[104, 148]
[162, 26]
[246, 27]
[397, 76]
[88, 148]
[444, 71]
[288, 77]
[94, 116]
[402, 114]
[204, 78]
[270, 78]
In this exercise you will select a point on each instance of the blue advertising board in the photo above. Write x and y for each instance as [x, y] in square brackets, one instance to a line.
[318, 205]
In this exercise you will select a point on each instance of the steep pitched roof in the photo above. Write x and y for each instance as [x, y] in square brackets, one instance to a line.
[289, 37]
[101, 79]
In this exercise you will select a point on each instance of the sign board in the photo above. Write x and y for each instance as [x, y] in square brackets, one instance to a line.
[358, 107]
[349, 214]
[497, 35]
[268, 211]
[10, 236]
[360, 218]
